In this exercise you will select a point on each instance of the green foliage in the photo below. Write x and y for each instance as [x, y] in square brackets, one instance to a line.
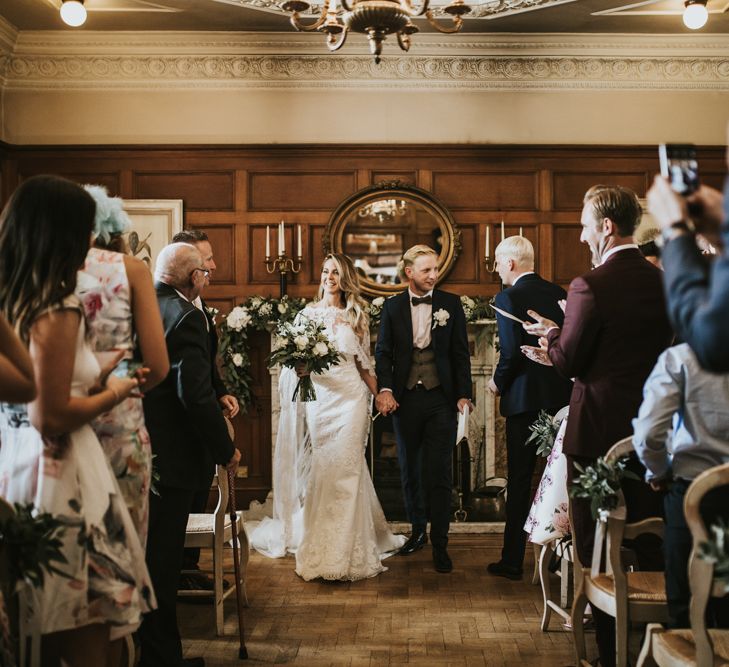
[33, 544]
[716, 551]
[601, 483]
[477, 308]
[254, 314]
[544, 432]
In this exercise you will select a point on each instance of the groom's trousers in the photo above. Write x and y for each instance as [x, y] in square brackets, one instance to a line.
[425, 427]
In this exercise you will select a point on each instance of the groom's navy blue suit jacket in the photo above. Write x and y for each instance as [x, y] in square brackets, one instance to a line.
[524, 385]
[394, 349]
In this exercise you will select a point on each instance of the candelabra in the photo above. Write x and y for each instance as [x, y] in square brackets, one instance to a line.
[283, 263]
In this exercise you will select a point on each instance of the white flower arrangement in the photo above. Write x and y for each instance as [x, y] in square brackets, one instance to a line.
[440, 318]
[256, 313]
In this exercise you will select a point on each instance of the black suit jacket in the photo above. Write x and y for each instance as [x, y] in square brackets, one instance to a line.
[183, 417]
[524, 385]
[614, 329]
[218, 384]
[394, 349]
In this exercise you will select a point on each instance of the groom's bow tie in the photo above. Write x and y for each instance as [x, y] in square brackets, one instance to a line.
[417, 300]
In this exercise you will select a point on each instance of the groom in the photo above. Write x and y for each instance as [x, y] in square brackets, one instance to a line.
[424, 375]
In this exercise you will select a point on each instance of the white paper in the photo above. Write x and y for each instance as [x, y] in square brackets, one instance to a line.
[510, 316]
[462, 431]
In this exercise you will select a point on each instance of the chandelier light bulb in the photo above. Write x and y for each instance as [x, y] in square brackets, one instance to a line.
[695, 15]
[73, 13]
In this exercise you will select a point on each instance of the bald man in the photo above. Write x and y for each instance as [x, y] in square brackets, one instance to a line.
[189, 436]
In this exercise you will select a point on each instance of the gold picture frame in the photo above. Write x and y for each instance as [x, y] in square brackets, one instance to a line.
[154, 223]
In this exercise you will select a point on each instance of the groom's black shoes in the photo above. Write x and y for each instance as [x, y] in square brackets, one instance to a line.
[415, 543]
[502, 570]
[441, 560]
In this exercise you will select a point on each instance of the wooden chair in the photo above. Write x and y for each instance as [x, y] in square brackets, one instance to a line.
[697, 646]
[215, 531]
[563, 549]
[627, 596]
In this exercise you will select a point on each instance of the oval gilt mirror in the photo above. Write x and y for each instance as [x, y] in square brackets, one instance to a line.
[376, 225]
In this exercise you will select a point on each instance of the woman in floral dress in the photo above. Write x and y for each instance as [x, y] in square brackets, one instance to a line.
[49, 455]
[122, 315]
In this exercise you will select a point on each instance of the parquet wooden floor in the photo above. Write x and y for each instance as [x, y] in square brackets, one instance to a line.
[410, 614]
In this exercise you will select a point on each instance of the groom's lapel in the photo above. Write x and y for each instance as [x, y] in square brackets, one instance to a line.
[407, 317]
[437, 305]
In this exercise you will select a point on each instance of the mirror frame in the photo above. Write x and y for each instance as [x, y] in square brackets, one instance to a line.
[334, 231]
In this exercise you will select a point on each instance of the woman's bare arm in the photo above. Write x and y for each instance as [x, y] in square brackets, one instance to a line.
[17, 384]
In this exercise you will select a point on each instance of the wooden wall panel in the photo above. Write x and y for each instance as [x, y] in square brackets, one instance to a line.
[467, 269]
[299, 191]
[570, 258]
[487, 191]
[199, 190]
[570, 187]
[110, 180]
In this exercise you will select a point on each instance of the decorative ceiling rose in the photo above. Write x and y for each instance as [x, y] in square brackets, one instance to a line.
[375, 18]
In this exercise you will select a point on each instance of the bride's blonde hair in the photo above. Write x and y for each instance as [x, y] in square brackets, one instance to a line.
[352, 301]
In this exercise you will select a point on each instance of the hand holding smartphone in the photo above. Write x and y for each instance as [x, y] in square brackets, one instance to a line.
[680, 167]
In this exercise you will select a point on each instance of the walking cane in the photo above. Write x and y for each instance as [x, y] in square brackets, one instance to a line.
[242, 650]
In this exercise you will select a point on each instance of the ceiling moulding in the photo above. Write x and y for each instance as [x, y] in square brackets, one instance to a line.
[8, 36]
[516, 62]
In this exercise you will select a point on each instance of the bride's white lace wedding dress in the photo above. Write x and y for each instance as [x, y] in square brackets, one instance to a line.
[325, 507]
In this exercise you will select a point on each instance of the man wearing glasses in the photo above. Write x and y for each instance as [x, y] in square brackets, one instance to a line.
[189, 436]
[193, 579]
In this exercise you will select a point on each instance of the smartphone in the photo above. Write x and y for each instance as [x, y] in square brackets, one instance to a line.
[680, 167]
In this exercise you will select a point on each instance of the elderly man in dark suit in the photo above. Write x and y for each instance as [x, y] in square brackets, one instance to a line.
[189, 436]
[196, 580]
[424, 377]
[525, 387]
[615, 328]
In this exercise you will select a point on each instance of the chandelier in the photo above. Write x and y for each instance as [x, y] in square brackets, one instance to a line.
[375, 18]
[384, 210]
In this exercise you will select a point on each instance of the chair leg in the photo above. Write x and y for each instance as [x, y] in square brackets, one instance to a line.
[218, 588]
[645, 658]
[621, 634]
[537, 549]
[578, 625]
[543, 561]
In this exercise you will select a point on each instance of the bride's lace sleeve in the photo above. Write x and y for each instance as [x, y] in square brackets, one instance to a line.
[359, 348]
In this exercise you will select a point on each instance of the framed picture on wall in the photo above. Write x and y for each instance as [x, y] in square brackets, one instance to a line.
[154, 223]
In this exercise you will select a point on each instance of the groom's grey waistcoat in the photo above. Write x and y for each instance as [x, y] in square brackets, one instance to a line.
[423, 369]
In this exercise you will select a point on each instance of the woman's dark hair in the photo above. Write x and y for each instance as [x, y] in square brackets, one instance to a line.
[45, 231]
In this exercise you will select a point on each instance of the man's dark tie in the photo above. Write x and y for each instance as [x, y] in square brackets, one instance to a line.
[417, 300]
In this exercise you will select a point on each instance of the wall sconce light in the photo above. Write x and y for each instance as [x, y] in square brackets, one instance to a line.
[73, 12]
[695, 15]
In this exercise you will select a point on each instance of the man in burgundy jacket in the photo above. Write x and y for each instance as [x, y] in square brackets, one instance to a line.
[615, 327]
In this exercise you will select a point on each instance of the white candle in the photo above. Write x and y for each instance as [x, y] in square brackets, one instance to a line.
[280, 238]
[502, 230]
[268, 242]
[299, 241]
[488, 243]
[520, 231]
[283, 238]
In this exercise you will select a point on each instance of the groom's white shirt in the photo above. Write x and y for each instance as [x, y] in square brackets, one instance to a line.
[422, 317]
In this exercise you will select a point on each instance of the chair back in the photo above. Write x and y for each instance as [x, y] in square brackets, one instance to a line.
[702, 581]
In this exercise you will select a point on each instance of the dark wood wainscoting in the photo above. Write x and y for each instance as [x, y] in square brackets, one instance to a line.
[233, 192]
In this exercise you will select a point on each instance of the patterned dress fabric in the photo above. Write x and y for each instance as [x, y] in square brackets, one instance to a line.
[549, 517]
[103, 288]
[339, 530]
[106, 579]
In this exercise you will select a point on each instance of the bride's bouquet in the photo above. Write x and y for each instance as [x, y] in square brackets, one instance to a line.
[304, 342]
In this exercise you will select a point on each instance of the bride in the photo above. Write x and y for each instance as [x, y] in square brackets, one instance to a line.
[325, 507]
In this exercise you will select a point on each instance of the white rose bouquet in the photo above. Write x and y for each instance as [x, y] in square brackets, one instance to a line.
[304, 343]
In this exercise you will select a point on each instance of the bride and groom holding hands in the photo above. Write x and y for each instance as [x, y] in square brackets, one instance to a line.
[325, 507]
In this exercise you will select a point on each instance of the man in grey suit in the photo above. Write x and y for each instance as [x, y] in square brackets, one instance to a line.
[189, 436]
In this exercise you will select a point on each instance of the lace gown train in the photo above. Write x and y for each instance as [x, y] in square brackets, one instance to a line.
[325, 506]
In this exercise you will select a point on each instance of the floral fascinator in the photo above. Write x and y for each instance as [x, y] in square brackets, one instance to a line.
[110, 217]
